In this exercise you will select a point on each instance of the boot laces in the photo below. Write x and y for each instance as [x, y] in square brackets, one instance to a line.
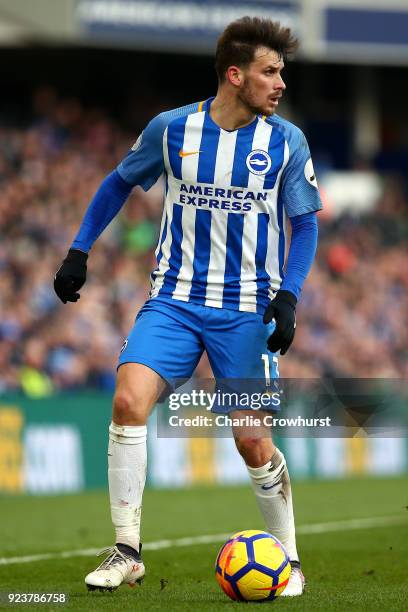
[115, 557]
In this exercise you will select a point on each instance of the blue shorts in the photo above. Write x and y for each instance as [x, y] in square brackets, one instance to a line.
[169, 336]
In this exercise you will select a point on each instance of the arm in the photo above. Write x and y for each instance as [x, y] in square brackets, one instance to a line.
[142, 166]
[105, 205]
[301, 252]
[301, 200]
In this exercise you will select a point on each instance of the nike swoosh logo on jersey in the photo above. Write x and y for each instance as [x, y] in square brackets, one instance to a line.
[187, 153]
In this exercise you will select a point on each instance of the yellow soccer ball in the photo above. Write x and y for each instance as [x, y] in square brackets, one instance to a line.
[253, 566]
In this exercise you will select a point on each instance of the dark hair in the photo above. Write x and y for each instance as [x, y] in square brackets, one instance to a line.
[240, 39]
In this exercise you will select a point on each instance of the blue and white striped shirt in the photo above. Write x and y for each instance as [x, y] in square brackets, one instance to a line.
[227, 197]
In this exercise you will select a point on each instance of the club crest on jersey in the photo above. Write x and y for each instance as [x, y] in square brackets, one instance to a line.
[258, 161]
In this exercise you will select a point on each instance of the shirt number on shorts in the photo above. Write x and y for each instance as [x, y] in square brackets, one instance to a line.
[265, 359]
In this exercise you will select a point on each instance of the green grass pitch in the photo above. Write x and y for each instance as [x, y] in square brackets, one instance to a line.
[348, 569]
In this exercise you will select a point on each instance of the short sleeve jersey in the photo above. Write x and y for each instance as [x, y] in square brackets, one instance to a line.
[227, 197]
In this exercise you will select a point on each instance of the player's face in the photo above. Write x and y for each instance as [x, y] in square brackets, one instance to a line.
[262, 85]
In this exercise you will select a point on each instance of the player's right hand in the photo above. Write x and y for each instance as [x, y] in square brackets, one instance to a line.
[71, 276]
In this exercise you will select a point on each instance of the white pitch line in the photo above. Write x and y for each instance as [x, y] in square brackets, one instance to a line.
[362, 523]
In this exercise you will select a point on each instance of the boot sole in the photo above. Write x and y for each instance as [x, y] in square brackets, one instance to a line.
[102, 589]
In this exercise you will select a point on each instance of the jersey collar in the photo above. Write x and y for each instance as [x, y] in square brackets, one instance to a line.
[206, 108]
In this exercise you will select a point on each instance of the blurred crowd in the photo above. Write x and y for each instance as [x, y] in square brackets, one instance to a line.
[352, 318]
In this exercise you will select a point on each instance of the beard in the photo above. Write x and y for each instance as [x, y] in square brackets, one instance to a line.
[248, 99]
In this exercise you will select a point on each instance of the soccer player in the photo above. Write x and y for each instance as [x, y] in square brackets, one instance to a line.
[234, 172]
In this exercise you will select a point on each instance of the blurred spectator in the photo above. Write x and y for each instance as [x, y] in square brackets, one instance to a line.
[352, 316]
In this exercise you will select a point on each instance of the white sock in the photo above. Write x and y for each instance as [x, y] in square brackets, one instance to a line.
[273, 492]
[127, 461]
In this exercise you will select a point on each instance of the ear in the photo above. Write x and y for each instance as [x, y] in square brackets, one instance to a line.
[235, 76]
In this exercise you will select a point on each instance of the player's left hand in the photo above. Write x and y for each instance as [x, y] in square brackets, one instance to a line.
[283, 310]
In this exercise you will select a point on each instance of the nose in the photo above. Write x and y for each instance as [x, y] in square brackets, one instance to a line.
[280, 84]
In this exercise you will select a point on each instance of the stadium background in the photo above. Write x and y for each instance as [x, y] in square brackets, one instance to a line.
[80, 80]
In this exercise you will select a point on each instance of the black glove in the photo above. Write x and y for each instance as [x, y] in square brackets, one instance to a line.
[71, 276]
[283, 309]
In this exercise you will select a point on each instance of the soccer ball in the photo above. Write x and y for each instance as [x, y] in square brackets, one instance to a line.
[253, 566]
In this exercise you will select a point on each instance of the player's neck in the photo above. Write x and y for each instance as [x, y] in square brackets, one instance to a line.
[228, 112]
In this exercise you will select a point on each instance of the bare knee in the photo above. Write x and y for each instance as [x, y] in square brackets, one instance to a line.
[137, 390]
[255, 451]
[128, 408]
